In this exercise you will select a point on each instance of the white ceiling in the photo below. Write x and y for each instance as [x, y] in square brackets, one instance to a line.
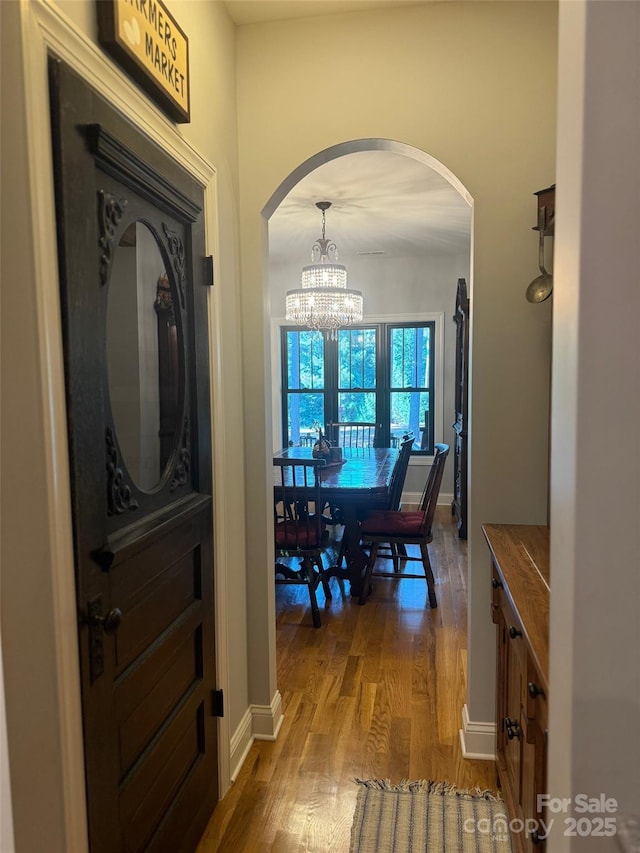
[256, 11]
[382, 201]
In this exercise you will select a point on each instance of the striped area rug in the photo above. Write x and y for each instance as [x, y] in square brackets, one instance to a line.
[414, 817]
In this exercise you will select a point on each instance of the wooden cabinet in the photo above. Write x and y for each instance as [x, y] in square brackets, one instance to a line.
[460, 424]
[520, 610]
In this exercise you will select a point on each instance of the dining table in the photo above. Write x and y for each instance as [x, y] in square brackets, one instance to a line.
[358, 483]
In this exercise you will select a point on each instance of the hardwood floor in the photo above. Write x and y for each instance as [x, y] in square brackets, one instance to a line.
[377, 691]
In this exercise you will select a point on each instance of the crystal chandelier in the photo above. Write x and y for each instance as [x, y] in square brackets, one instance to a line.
[323, 301]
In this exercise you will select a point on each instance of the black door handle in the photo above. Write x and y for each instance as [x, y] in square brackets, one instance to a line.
[99, 625]
[110, 623]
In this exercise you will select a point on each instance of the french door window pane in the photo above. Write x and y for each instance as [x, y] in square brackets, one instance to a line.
[411, 383]
[357, 406]
[357, 358]
[304, 412]
[305, 360]
[410, 411]
[410, 357]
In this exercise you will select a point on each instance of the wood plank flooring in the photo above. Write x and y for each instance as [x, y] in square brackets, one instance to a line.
[377, 691]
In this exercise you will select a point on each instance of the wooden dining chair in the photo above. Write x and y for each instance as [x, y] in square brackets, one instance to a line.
[399, 474]
[424, 439]
[394, 527]
[352, 434]
[349, 434]
[300, 532]
[396, 485]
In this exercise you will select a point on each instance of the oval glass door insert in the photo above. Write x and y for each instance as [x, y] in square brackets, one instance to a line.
[143, 356]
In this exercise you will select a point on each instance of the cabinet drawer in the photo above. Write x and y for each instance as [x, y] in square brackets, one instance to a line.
[514, 633]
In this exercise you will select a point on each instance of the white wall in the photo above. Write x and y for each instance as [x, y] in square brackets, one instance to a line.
[594, 742]
[473, 85]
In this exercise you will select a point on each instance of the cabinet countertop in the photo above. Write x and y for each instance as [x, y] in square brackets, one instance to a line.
[520, 554]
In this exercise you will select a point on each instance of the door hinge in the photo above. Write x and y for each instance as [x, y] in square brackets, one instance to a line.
[217, 703]
[208, 271]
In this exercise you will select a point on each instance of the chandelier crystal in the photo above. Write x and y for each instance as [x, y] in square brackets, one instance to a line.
[323, 301]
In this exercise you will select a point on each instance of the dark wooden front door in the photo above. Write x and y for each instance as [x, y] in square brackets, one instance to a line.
[134, 315]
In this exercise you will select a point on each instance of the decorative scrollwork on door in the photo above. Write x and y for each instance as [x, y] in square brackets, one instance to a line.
[176, 249]
[110, 212]
[183, 466]
[119, 495]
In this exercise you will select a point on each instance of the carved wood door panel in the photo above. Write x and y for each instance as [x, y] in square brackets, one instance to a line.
[131, 257]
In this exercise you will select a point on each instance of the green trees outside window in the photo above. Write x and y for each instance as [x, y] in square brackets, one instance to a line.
[382, 373]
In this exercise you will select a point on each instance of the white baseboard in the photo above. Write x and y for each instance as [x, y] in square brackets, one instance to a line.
[240, 745]
[267, 719]
[260, 722]
[477, 739]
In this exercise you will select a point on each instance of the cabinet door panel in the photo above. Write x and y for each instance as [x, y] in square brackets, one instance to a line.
[535, 748]
[513, 720]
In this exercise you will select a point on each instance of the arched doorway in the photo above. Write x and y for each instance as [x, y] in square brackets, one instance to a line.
[402, 222]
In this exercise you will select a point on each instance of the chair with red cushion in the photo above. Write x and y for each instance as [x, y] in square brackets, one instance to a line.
[405, 528]
[396, 484]
[299, 528]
